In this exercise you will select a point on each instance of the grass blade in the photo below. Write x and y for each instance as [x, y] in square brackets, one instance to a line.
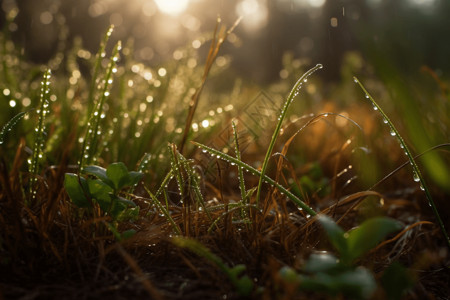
[255, 172]
[90, 141]
[294, 92]
[417, 175]
[39, 140]
[240, 171]
[11, 123]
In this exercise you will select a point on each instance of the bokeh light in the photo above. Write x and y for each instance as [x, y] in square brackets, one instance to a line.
[254, 13]
[172, 7]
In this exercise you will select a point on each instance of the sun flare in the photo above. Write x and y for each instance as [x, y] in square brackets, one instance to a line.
[172, 7]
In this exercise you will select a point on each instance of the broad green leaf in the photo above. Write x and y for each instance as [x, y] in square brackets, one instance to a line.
[98, 172]
[117, 206]
[335, 234]
[353, 284]
[396, 280]
[124, 201]
[127, 234]
[100, 192]
[134, 177]
[322, 262]
[358, 283]
[76, 192]
[118, 174]
[369, 234]
[288, 274]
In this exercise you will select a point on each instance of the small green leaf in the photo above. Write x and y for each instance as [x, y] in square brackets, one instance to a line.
[127, 234]
[353, 284]
[288, 274]
[76, 192]
[358, 283]
[244, 286]
[125, 201]
[369, 234]
[117, 206]
[100, 173]
[335, 234]
[323, 262]
[100, 192]
[134, 178]
[396, 280]
[118, 174]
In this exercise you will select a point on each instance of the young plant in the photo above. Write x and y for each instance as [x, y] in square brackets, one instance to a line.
[243, 284]
[104, 190]
[417, 175]
[333, 275]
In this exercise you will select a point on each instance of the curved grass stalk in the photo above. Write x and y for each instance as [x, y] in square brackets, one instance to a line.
[11, 123]
[417, 175]
[38, 148]
[294, 92]
[255, 172]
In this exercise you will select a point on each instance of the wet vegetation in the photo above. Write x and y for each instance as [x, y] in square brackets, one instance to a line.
[121, 180]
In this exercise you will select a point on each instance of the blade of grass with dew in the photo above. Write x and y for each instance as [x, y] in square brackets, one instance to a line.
[417, 175]
[255, 172]
[176, 168]
[11, 123]
[39, 140]
[90, 141]
[194, 184]
[164, 211]
[97, 65]
[240, 171]
[294, 92]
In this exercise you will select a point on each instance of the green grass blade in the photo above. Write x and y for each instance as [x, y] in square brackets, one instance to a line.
[97, 66]
[11, 123]
[417, 175]
[194, 184]
[164, 211]
[294, 92]
[240, 171]
[255, 172]
[90, 141]
[39, 140]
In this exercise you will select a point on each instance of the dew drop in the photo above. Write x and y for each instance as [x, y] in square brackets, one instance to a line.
[416, 177]
[392, 132]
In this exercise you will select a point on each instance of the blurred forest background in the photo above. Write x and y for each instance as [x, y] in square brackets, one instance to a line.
[407, 33]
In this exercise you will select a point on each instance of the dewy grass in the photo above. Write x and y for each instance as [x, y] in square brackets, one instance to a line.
[98, 63]
[93, 131]
[39, 139]
[417, 175]
[294, 92]
[8, 126]
[255, 172]
[240, 171]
